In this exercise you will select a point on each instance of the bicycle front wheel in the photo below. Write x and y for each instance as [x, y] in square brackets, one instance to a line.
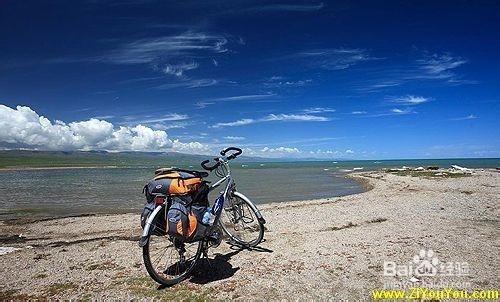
[240, 221]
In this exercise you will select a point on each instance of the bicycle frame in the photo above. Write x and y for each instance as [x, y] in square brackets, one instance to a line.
[229, 189]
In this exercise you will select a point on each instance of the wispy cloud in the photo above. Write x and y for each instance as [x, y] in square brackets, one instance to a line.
[314, 141]
[358, 112]
[236, 98]
[295, 117]
[333, 59]
[281, 82]
[234, 138]
[276, 8]
[410, 100]
[103, 117]
[378, 86]
[245, 121]
[468, 117]
[152, 50]
[440, 66]
[314, 110]
[288, 7]
[191, 83]
[275, 118]
[401, 111]
[391, 112]
[169, 125]
[178, 70]
[171, 55]
[141, 79]
[162, 118]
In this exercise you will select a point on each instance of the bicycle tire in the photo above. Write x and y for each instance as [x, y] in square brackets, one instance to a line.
[151, 269]
[237, 239]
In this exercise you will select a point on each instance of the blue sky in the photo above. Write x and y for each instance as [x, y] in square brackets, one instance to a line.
[339, 79]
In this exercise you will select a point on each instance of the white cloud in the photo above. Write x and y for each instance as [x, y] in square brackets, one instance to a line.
[280, 150]
[401, 111]
[331, 154]
[314, 110]
[275, 118]
[280, 82]
[91, 132]
[411, 100]
[163, 118]
[383, 85]
[179, 69]
[358, 112]
[468, 117]
[22, 127]
[194, 83]
[152, 50]
[293, 152]
[138, 138]
[191, 147]
[236, 98]
[234, 138]
[440, 65]
[202, 104]
[295, 117]
[393, 111]
[241, 122]
[333, 59]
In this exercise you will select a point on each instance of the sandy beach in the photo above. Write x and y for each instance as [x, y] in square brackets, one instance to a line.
[319, 249]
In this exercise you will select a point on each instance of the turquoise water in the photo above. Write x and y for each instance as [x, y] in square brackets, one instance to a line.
[61, 192]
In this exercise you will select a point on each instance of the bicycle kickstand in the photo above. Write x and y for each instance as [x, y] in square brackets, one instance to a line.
[205, 255]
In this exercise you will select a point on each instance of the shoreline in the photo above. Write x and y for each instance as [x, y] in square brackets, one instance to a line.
[313, 249]
[364, 184]
[357, 176]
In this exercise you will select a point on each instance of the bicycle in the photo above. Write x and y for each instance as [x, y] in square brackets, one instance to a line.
[169, 260]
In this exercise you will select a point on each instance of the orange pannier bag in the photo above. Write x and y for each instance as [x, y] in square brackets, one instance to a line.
[171, 182]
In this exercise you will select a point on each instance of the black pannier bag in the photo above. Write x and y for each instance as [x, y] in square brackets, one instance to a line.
[184, 219]
[187, 201]
[158, 226]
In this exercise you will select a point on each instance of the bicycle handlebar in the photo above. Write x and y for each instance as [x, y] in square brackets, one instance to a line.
[204, 165]
[237, 153]
[234, 155]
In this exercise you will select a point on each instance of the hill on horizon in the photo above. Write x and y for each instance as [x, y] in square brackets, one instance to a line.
[32, 158]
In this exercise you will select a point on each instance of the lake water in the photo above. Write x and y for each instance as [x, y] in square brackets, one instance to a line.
[61, 192]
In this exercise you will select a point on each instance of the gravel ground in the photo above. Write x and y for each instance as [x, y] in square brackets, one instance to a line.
[321, 249]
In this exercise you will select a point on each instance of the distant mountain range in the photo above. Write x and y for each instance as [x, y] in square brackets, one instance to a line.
[29, 158]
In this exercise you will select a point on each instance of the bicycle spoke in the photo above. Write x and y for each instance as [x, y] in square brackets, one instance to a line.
[158, 259]
[240, 221]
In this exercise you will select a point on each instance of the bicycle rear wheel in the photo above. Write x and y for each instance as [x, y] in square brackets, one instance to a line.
[240, 222]
[169, 260]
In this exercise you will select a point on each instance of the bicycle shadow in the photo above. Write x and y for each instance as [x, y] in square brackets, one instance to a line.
[219, 268]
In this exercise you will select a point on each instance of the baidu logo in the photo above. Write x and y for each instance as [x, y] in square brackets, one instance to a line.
[425, 263]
